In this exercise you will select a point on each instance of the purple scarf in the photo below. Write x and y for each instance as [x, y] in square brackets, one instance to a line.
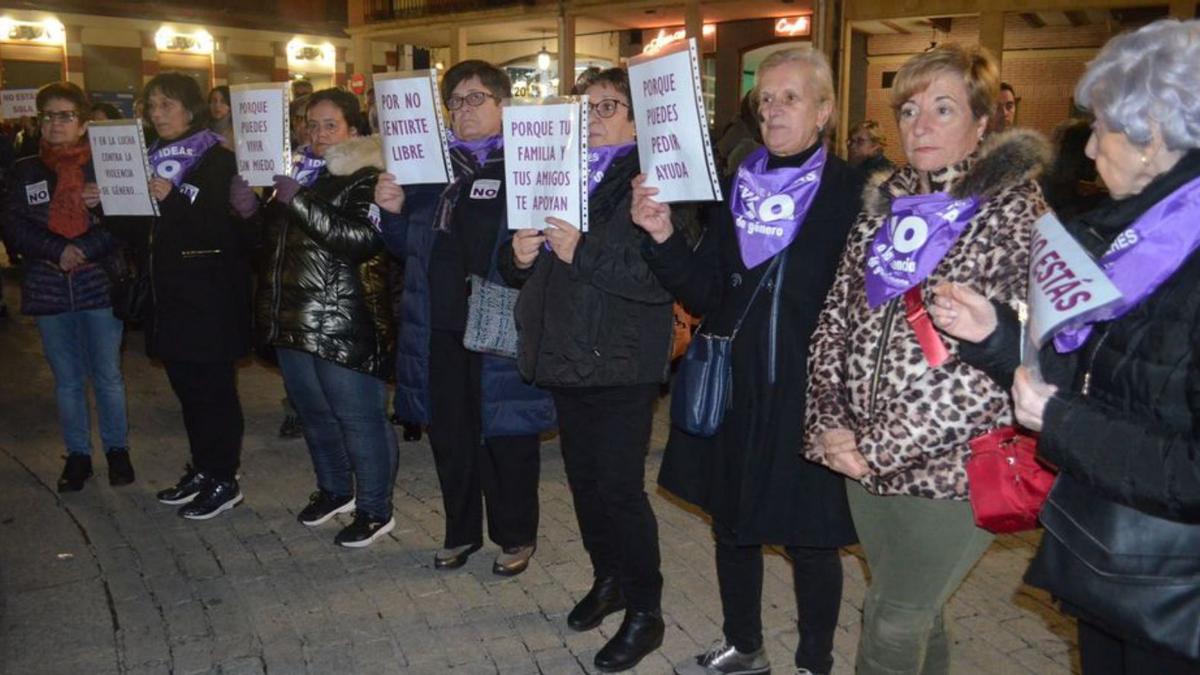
[307, 167]
[1142, 257]
[173, 159]
[913, 240]
[768, 206]
[480, 148]
[599, 159]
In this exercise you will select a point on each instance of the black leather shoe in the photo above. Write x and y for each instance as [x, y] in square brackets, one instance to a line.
[640, 633]
[75, 472]
[451, 558]
[605, 598]
[412, 432]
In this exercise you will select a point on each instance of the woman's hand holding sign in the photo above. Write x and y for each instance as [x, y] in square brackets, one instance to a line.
[526, 244]
[388, 193]
[651, 216]
[160, 187]
[563, 238]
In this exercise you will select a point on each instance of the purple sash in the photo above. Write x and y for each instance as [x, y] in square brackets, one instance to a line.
[1142, 257]
[768, 206]
[480, 148]
[599, 159]
[307, 167]
[172, 160]
[915, 238]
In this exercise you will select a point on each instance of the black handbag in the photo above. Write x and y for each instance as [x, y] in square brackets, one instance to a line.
[129, 288]
[1131, 573]
[703, 385]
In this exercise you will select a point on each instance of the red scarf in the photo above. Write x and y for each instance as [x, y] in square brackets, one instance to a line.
[68, 215]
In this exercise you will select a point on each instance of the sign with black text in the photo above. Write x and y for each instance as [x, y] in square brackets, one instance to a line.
[261, 131]
[672, 126]
[18, 103]
[545, 161]
[122, 171]
[415, 144]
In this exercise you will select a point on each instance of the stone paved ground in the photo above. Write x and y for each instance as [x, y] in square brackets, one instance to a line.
[110, 581]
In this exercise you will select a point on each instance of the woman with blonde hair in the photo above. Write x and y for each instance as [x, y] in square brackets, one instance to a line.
[890, 404]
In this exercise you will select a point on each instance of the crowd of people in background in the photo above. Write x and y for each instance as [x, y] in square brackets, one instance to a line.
[844, 426]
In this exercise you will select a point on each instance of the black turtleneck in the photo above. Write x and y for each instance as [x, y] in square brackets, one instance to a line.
[780, 161]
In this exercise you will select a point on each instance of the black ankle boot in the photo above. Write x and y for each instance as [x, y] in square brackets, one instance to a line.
[77, 470]
[605, 598]
[641, 633]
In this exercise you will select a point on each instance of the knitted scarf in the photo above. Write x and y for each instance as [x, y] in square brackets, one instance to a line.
[68, 215]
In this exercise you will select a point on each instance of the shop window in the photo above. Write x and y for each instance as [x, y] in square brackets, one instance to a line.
[112, 69]
[246, 69]
[19, 74]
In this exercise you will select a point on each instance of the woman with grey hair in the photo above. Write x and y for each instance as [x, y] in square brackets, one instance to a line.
[1115, 394]
[764, 265]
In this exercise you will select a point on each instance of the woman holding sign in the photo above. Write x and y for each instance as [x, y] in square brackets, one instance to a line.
[889, 404]
[323, 303]
[65, 286]
[199, 264]
[483, 420]
[761, 273]
[1116, 396]
[596, 329]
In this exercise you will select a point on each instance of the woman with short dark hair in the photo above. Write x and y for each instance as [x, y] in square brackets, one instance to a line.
[199, 265]
[483, 420]
[323, 305]
[221, 114]
[65, 286]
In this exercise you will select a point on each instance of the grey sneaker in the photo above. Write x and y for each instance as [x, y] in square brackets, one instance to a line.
[723, 658]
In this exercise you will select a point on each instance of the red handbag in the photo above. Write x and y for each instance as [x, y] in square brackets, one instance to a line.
[1008, 483]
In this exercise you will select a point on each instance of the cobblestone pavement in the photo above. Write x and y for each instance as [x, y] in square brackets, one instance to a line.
[110, 581]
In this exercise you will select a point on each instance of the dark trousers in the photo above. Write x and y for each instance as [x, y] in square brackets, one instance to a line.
[1101, 653]
[504, 470]
[605, 432]
[816, 579]
[212, 414]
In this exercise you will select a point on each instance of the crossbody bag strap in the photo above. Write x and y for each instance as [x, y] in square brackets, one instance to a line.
[773, 340]
[767, 275]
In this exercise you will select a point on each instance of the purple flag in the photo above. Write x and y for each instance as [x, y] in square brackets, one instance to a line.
[172, 160]
[599, 159]
[307, 167]
[1141, 258]
[912, 242]
[768, 206]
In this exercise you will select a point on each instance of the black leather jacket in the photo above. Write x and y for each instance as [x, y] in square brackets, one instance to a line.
[323, 285]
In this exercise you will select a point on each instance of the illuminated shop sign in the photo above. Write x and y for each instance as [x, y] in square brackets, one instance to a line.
[792, 26]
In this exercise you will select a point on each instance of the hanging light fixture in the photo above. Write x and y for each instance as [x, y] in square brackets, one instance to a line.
[543, 56]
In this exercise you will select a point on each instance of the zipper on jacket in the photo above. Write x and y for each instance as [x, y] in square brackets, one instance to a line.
[889, 318]
[1087, 375]
[276, 280]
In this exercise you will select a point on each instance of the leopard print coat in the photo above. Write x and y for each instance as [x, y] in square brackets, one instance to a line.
[866, 370]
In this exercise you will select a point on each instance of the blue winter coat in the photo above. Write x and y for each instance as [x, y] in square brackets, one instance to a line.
[510, 406]
[45, 288]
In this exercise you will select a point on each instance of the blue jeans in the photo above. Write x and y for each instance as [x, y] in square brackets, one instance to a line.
[80, 346]
[344, 414]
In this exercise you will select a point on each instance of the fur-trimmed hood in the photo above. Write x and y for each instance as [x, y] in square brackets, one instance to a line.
[1001, 161]
[356, 153]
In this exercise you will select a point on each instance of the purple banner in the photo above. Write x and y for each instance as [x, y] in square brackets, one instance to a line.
[307, 167]
[915, 238]
[768, 207]
[480, 148]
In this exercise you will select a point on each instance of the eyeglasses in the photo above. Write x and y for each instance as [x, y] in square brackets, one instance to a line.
[64, 116]
[606, 108]
[473, 99]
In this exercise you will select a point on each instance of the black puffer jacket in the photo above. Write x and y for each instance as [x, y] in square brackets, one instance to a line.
[1133, 436]
[604, 319]
[323, 288]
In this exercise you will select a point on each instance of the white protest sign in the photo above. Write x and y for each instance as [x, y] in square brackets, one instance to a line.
[668, 107]
[1064, 282]
[260, 131]
[18, 103]
[545, 162]
[415, 145]
[122, 170]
